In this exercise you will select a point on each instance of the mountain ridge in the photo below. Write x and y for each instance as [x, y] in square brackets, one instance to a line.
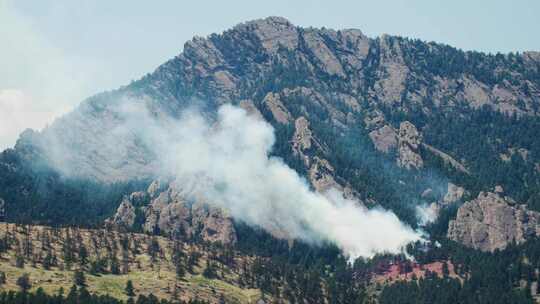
[326, 88]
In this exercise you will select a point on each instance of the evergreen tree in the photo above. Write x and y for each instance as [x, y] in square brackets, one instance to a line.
[114, 264]
[83, 255]
[130, 291]
[79, 278]
[48, 260]
[210, 270]
[19, 261]
[24, 282]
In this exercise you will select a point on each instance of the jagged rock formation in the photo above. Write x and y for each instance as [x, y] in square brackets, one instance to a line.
[124, 218]
[276, 107]
[492, 221]
[166, 210]
[321, 174]
[409, 140]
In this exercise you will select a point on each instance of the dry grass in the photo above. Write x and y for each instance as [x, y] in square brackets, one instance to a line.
[157, 278]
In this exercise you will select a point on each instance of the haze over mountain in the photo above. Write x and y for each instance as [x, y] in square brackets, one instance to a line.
[315, 135]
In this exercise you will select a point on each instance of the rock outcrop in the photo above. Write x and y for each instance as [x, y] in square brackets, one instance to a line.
[384, 138]
[302, 138]
[453, 194]
[166, 210]
[124, 218]
[276, 107]
[492, 221]
[321, 174]
[409, 140]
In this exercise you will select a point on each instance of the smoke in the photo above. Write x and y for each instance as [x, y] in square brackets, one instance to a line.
[426, 214]
[39, 79]
[225, 161]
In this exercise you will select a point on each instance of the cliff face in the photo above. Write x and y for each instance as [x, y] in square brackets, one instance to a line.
[492, 221]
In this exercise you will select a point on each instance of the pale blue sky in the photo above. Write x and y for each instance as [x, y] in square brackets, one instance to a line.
[135, 36]
[54, 53]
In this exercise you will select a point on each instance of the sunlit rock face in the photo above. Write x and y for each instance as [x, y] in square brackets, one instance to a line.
[492, 221]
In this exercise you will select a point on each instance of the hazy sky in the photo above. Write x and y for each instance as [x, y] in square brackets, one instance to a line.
[54, 53]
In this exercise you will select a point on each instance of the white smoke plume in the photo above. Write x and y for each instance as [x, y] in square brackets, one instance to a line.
[427, 214]
[226, 162]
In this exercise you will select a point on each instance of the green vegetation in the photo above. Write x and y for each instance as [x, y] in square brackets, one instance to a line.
[77, 296]
[501, 277]
[47, 265]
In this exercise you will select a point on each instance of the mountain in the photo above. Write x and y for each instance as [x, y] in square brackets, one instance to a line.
[389, 121]
[342, 105]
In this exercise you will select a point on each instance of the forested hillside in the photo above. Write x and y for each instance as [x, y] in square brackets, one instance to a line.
[418, 128]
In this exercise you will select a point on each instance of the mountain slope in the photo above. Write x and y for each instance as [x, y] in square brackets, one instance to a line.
[385, 119]
[415, 127]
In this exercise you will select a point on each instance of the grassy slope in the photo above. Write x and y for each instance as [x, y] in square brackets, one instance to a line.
[157, 278]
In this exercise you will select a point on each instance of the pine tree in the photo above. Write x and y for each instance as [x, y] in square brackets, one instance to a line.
[209, 271]
[78, 278]
[48, 260]
[73, 294]
[19, 261]
[130, 291]
[83, 255]
[114, 265]
[180, 271]
[24, 282]
[445, 269]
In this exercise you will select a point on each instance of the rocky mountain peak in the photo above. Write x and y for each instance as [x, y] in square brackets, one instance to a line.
[272, 32]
